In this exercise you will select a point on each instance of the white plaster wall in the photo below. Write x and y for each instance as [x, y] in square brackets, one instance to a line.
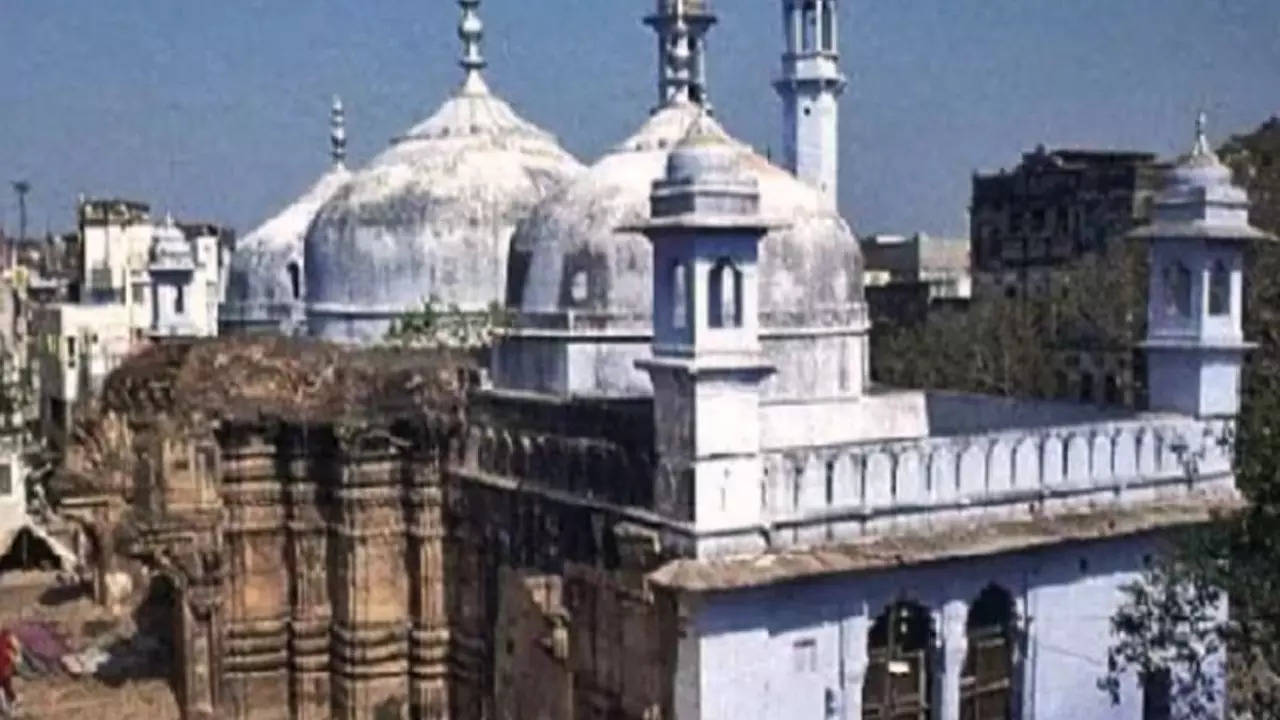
[895, 415]
[1066, 595]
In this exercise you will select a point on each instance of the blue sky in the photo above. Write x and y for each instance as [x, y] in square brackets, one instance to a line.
[218, 110]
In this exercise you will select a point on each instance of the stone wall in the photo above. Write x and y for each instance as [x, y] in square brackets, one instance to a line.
[354, 555]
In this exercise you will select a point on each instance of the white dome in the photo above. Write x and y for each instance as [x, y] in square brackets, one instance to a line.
[261, 282]
[429, 218]
[570, 256]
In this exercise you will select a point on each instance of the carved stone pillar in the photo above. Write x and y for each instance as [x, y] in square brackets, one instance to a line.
[853, 635]
[467, 592]
[200, 633]
[952, 623]
[429, 634]
[307, 560]
[256, 663]
[370, 648]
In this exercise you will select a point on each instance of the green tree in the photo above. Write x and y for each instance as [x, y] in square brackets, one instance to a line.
[431, 327]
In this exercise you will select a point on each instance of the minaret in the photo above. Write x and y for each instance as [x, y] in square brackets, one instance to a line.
[696, 17]
[1195, 340]
[810, 88]
[471, 32]
[338, 133]
[707, 364]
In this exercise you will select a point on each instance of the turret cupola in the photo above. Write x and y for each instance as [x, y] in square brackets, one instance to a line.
[1195, 338]
[707, 364]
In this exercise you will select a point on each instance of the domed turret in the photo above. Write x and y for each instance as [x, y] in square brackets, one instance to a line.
[432, 216]
[580, 279]
[265, 291]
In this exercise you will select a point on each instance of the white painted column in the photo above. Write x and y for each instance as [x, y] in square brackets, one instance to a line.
[951, 623]
[1025, 658]
[853, 633]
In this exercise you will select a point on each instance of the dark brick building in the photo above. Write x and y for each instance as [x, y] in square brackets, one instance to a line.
[1054, 207]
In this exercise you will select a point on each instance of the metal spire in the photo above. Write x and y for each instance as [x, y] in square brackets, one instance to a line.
[679, 59]
[338, 133]
[471, 31]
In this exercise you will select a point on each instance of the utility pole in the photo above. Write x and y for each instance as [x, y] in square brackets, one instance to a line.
[21, 187]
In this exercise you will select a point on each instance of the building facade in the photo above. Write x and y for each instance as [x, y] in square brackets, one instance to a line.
[677, 497]
[907, 275]
[175, 281]
[1053, 208]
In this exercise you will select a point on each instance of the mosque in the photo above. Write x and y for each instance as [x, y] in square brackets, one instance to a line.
[681, 396]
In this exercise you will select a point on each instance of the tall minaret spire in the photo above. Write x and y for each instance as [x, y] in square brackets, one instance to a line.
[695, 18]
[471, 31]
[338, 133]
[679, 59]
[810, 87]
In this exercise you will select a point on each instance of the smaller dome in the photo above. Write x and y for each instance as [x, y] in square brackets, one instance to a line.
[265, 277]
[703, 154]
[704, 176]
[1201, 168]
[1200, 199]
[259, 272]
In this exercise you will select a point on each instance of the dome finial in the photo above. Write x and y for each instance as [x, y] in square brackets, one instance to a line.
[679, 59]
[338, 133]
[1202, 147]
[471, 31]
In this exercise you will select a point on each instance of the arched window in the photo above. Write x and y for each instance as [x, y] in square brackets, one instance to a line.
[679, 296]
[579, 287]
[726, 295]
[295, 280]
[1219, 289]
[809, 26]
[986, 680]
[1177, 290]
[899, 681]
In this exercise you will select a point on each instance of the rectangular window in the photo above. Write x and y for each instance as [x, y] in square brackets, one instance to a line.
[179, 301]
[805, 655]
[1157, 688]
[71, 352]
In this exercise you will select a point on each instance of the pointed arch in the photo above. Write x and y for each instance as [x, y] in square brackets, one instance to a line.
[987, 689]
[1219, 289]
[900, 664]
[725, 301]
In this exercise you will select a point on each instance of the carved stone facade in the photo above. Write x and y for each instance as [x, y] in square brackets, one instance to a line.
[416, 565]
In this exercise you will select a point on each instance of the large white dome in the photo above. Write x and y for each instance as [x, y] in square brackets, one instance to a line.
[581, 286]
[570, 255]
[430, 218]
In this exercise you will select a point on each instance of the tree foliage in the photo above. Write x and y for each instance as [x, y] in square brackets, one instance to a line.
[433, 327]
[1008, 346]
